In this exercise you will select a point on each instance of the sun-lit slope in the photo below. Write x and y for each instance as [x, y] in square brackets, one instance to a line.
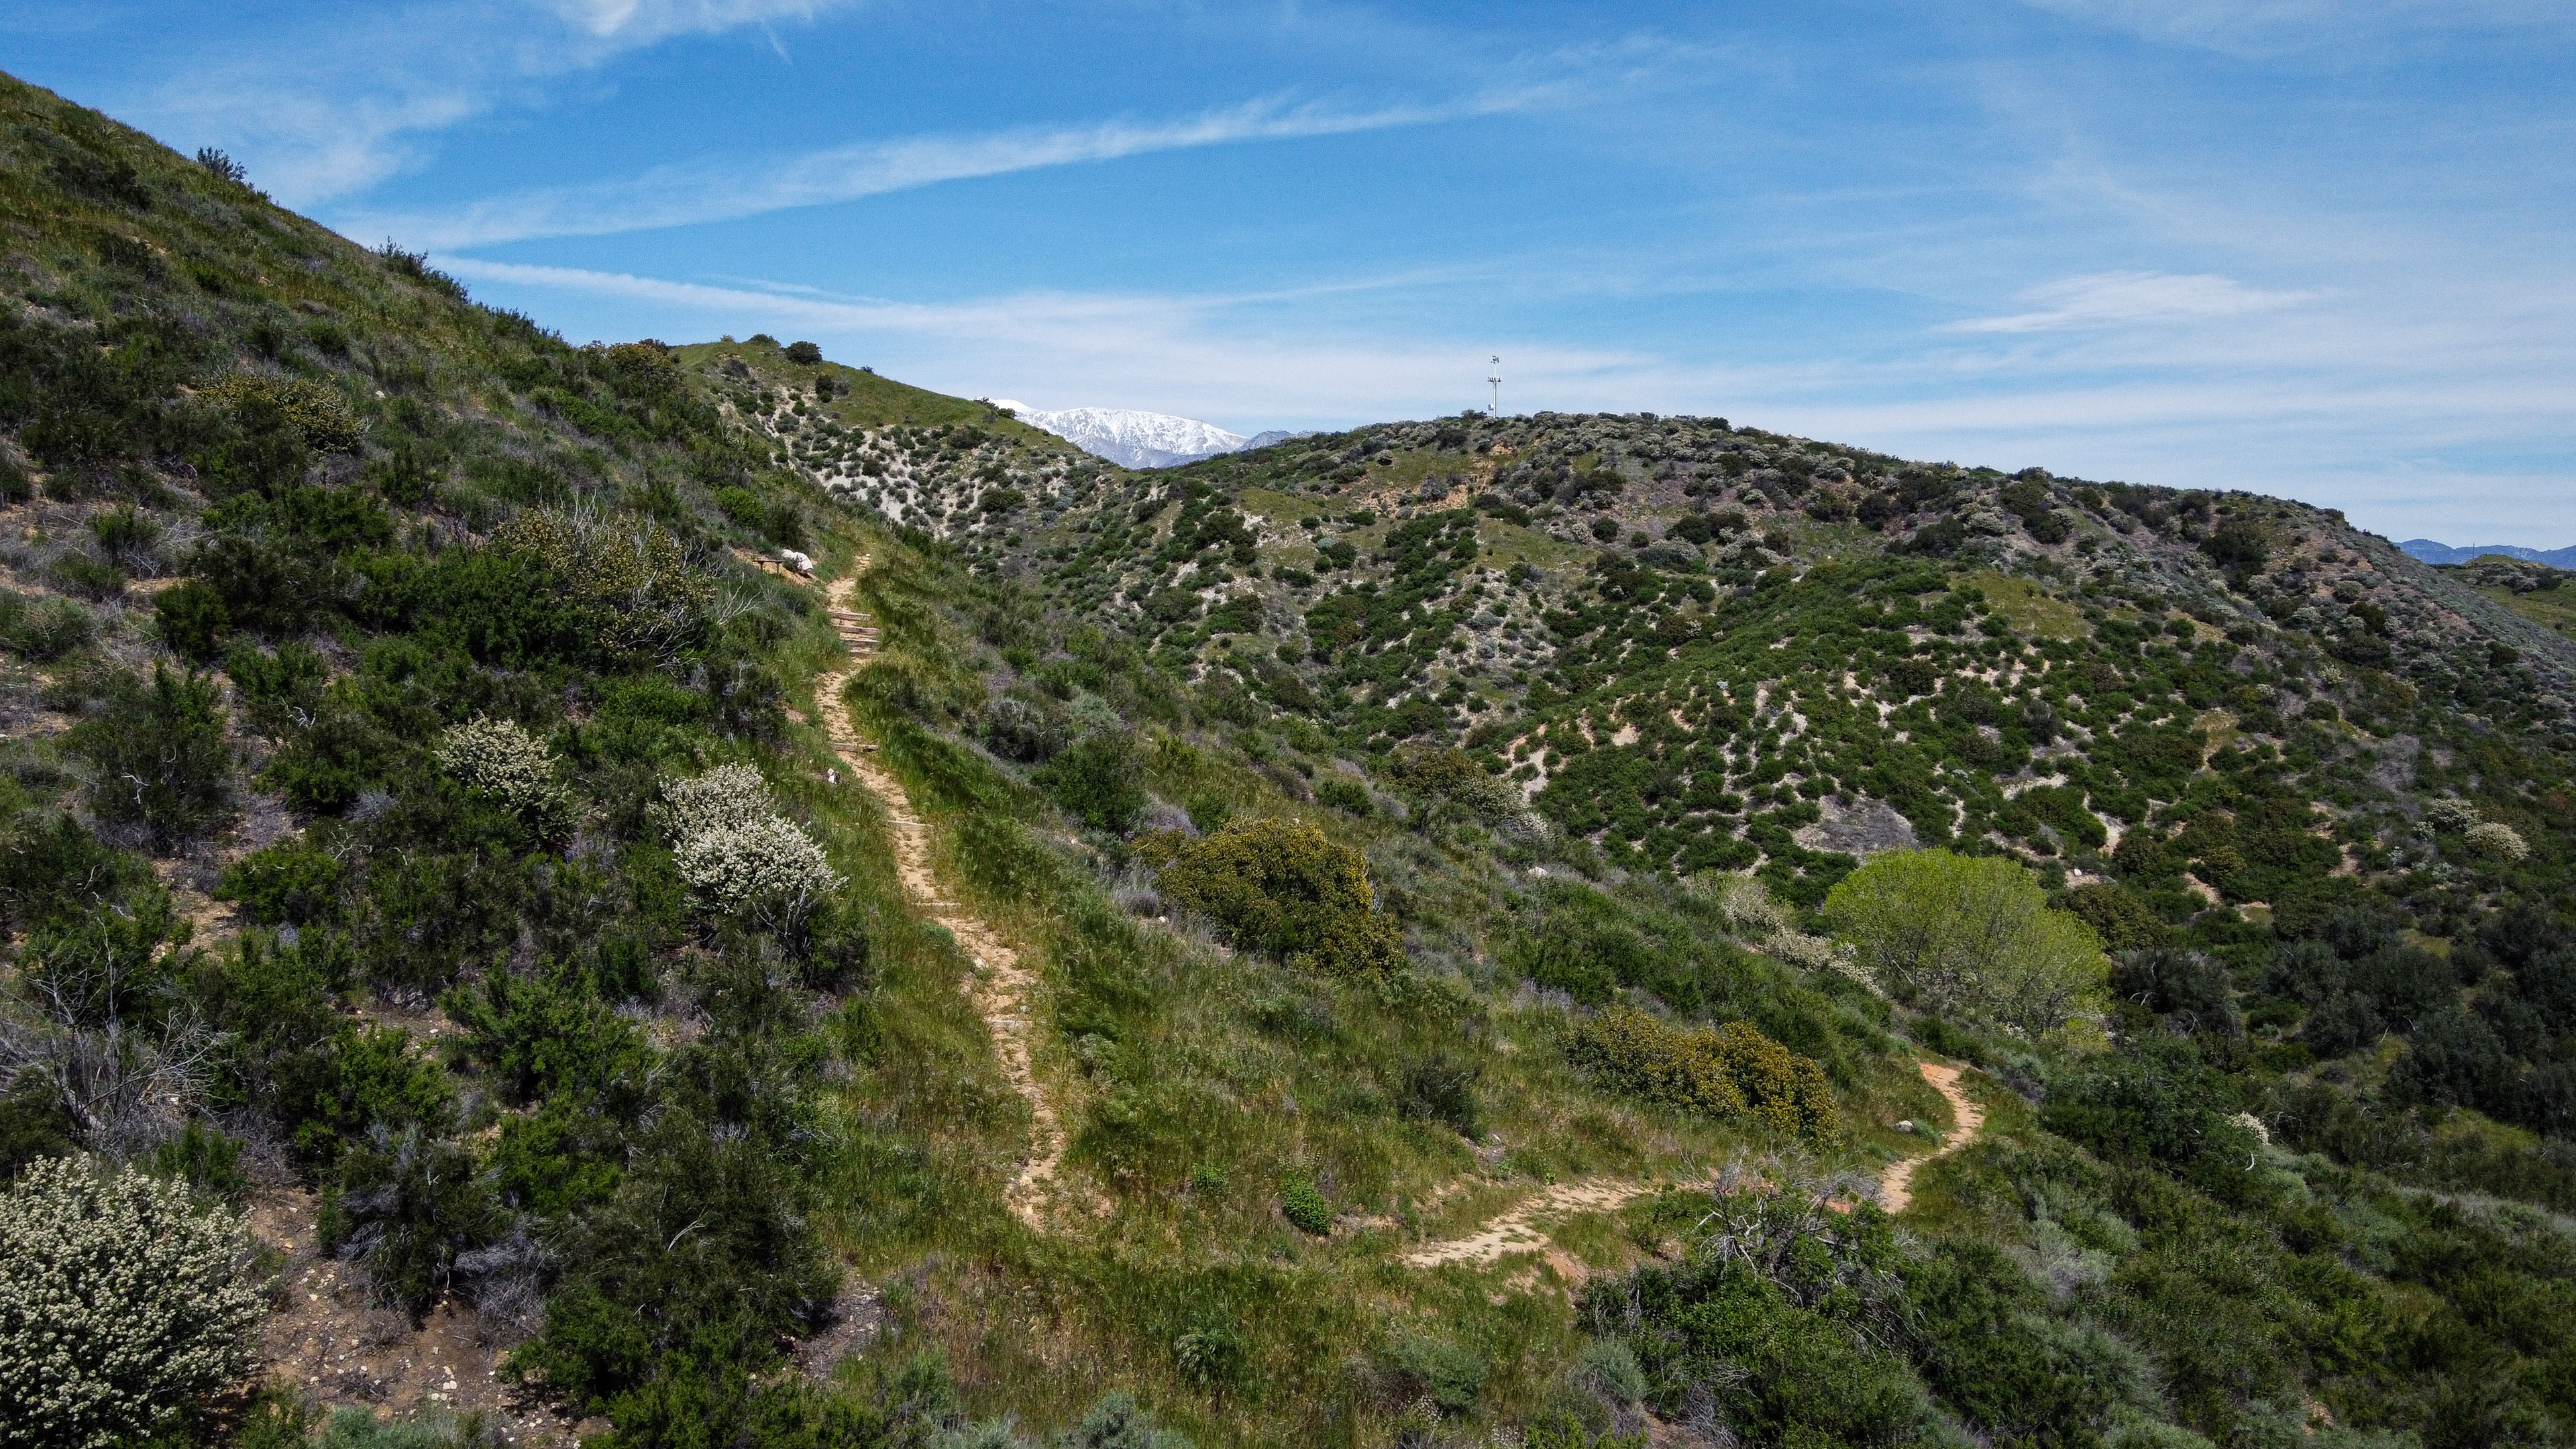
[1363, 817]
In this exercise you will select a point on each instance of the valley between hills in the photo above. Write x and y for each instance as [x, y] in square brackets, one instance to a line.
[695, 895]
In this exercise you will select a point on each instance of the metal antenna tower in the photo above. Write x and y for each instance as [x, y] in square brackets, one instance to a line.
[1497, 381]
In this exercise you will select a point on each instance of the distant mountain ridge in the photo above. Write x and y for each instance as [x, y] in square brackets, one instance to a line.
[1130, 438]
[2425, 550]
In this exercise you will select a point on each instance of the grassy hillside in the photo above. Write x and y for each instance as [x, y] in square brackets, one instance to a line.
[1406, 829]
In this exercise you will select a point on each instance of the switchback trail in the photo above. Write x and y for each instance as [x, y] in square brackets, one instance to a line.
[1516, 1231]
[1896, 1184]
[1000, 987]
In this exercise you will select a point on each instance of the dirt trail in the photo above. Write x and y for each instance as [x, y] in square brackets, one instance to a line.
[1000, 987]
[1517, 1231]
[1896, 1184]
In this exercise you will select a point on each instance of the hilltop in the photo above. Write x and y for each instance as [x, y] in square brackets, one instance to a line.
[1410, 936]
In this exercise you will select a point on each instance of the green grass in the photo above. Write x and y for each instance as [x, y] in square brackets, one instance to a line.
[2553, 609]
[2031, 608]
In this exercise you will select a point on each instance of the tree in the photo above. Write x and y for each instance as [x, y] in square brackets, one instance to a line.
[1973, 934]
[162, 760]
[120, 1303]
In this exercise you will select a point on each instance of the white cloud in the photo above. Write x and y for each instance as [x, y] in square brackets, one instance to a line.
[717, 190]
[336, 108]
[2270, 29]
[1216, 358]
[641, 22]
[2108, 299]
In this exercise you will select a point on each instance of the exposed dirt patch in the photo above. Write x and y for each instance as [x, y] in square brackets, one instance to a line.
[323, 1340]
[1863, 828]
[1896, 1184]
[1001, 988]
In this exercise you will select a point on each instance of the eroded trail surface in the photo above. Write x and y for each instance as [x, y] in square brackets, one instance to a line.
[1517, 1231]
[1896, 1184]
[1001, 988]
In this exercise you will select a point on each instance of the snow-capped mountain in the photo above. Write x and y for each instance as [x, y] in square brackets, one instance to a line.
[1132, 439]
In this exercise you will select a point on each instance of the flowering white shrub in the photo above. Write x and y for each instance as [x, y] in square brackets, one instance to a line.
[736, 854]
[2451, 816]
[2497, 839]
[764, 867]
[119, 1303]
[499, 759]
[726, 796]
[1747, 905]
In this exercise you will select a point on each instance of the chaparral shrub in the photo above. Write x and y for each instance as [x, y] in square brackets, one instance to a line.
[1282, 889]
[499, 759]
[121, 1302]
[1730, 1071]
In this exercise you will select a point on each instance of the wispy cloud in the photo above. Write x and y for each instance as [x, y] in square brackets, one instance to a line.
[2110, 299]
[330, 110]
[2269, 29]
[720, 190]
[1225, 358]
[642, 22]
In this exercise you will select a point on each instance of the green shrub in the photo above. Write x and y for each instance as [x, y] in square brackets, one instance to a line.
[163, 762]
[2124, 922]
[369, 1076]
[1731, 1071]
[289, 883]
[1349, 796]
[1115, 1421]
[34, 1124]
[205, 1159]
[406, 1205]
[1449, 1374]
[1096, 781]
[1282, 889]
[44, 630]
[1303, 1205]
[546, 1033]
[1441, 1088]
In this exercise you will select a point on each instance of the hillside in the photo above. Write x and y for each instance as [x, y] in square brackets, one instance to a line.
[1414, 936]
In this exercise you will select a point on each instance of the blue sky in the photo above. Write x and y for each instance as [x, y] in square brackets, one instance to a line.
[2308, 248]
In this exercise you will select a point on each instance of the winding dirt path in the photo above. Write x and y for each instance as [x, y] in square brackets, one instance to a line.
[1000, 987]
[1516, 1231]
[1896, 1184]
